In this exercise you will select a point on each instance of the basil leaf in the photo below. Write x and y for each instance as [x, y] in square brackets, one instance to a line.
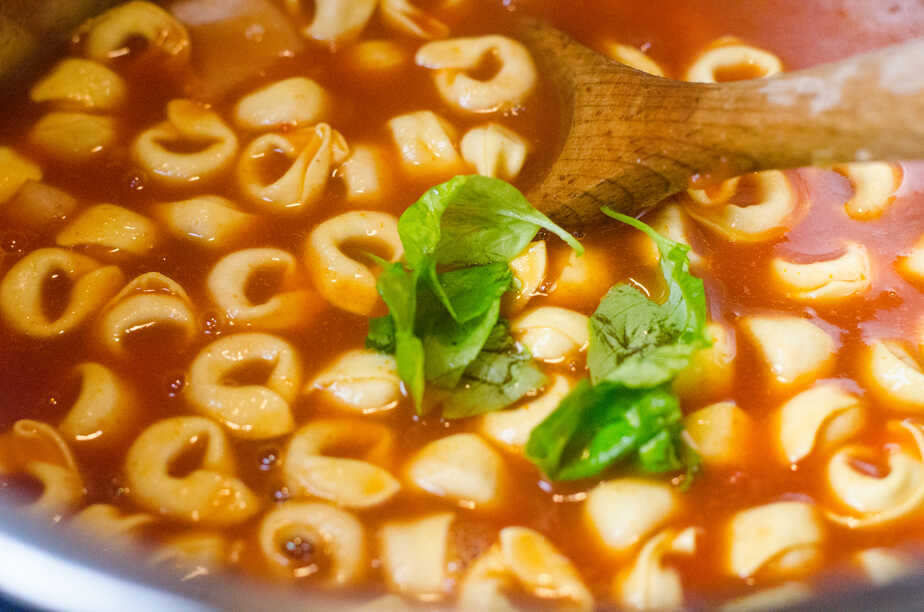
[471, 291]
[499, 376]
[381, 336]
[595, 427]
[469, 220]
[639, 343]
[398, 288]
[451, 346]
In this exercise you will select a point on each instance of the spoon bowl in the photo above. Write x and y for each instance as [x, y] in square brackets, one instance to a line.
[632, 139]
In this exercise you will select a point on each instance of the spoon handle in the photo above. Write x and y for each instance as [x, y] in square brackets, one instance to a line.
[633, 139]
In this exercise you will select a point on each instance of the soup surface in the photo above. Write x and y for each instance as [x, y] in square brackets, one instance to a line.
[188, 201]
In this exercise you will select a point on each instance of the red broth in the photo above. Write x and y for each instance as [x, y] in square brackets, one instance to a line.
[35, 378]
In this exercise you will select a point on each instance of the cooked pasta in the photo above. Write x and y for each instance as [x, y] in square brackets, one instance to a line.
[23, 292]
[105, 411]
[289, 306]
[151, 305]
[290, 533]
[727, 58]
[247, 382]
[514, 80]
[461, 468]
[188, 123]
[206, 493]
[272, 311]
[360, 381]
[312, 153]
[874, 185]
[73, 137]
[110, 229]
[290, 102]
[415, 554]
[82, 84]
[338, 277]
[348, 482]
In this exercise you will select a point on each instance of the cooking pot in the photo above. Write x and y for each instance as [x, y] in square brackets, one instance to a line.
[55, 569]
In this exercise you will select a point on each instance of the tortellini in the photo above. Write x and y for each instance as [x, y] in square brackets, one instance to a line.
[360, 380]
[671, 221]
[633, 57]
[845, 276]
[910, 266]
[15, 171]
[209, 221]
[722, 434]
[578, 280]
[24, 295]
[348, 482]
[511, 428]
[152, 308]
[38, 207]
[82, 84]
[494, 151]
[883, 566]
[159, 150]
[878, 499]
[196, 553]
[622, 512]
[341, 280]
[290, 102]
[874, 185]
[764, 220]
[207, 493]
[461, 467]
[649, 585]
[415, 554]
[426, 143]
[375, 62]
[108, 36]
[109, 525]
[820, 417]
[73, 137]
[711, 372]
[110, 229]
[777, 538]
[335, 21]
[36, 449]
[514, 80]
[525, 559]
[286, 306]
[247, 382]
[310, 154]
[301, 538]
[529, 271]
[403, 16]
[730, 60]
[552, 334]
[894, 375]
[105, 410]
[795, 350]
[365, 174]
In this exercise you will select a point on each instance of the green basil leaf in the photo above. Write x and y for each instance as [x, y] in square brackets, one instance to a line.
[473, 290]
[595, 427]
[451, 346]
[381, 336]
[639, 343]
[469, 220]
[398, 288]
[499, 376]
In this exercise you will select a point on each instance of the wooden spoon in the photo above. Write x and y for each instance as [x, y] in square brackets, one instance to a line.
[632, 139]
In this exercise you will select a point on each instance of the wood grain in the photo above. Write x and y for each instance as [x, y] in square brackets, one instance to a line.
[633, 139]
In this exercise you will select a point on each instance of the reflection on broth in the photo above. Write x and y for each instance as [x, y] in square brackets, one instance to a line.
[198, 207]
